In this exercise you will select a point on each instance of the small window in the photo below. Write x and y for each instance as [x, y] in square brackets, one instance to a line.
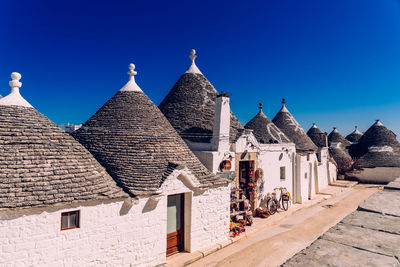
[283, 173]
[70, 220]
[305, 175]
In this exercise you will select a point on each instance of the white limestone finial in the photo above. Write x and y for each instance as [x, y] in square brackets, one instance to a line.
[192, 55]
[15, 98]
[131, 84]
[335, 130]
[284, 109]
[15, 83]
[378, 123]
[193, 68]
[356, 131]
[132, 71]
[314, 125]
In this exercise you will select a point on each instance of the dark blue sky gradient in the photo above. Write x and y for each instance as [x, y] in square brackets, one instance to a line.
[336, 62]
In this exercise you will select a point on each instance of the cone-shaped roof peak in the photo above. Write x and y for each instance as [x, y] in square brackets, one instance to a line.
[355, 135]
[292, 129]
[190, 106]
[317, 136]
[265, 130]
[336, 137]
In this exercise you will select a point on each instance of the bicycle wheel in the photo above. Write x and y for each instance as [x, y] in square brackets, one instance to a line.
[285, 204]
[271, 207]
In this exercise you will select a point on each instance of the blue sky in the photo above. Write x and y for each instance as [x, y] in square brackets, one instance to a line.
[337, 62]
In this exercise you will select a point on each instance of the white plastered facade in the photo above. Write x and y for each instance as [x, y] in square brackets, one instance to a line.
[271, 159]
[114, 233]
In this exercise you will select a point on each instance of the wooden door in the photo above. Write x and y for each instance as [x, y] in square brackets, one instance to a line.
[175, 224]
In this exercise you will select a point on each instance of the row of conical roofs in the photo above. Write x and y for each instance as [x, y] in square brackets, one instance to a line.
[377, 147]
[135, 144]
[190, 108]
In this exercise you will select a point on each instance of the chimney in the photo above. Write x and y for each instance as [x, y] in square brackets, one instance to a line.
[222, 123]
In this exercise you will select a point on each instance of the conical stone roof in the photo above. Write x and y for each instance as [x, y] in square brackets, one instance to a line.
[291, 128]
[265, 130]
[378, 147]
[318, 137]
[342, 158]
[354, 136]
[40, 164]
[137, 145]
[336, 137]
[190, 107]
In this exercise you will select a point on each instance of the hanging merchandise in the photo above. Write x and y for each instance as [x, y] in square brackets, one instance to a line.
[259, 173]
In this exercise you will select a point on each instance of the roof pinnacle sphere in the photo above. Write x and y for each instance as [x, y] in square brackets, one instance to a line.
[131, 84]
[192, 55]
[260, 106]
[193, 68]
[132, 71]
[15, 98]
[284, 109]
[15, 83]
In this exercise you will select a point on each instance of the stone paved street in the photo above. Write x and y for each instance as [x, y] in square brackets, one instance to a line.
[369, 236]
[275, 241]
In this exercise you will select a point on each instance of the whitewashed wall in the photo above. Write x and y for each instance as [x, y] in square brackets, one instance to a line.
[110, 236]
[104, 237]
[270, 159]
[212, 159]
[323, 170]
[306, 177]
[332, 172]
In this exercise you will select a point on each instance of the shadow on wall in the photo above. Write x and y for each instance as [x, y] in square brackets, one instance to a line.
[150, 205]
[126, 207]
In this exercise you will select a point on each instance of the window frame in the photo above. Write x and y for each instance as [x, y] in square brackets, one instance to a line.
[284, 173]
[77, 219]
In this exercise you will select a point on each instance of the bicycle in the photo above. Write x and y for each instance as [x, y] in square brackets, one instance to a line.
[273, 204]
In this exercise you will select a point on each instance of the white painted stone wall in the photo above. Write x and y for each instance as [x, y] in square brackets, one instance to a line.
[306, 177]
[109, 236]
[105, 238]
[270, 159]
[332, 172]
[212, 159]
[323, 170]
[208, 222]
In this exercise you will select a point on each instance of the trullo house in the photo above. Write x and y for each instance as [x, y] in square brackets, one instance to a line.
[177, 204]
[354, 136]
[326, 164]
[58, 205]
[204, 120]
[311, 173]
[339, 149]
[276, 154]
[377, 154]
